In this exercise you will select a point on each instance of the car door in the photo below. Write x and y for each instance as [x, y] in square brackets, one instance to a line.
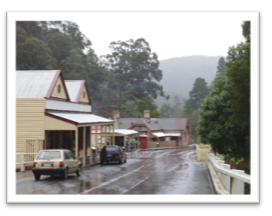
[67, 161]
[122, 154]
[74, 161]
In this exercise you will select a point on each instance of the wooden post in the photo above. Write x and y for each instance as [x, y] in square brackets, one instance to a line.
[90, 149]
[95, 143]
[76, 142]
[113, 135]
[84, 146]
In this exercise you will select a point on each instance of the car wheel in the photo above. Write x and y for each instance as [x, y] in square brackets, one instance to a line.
[125, 161]
[65, 174]
[78, 172]
[37, 176]
[120, 161]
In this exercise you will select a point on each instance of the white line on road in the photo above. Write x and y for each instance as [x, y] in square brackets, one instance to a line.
[113, 180]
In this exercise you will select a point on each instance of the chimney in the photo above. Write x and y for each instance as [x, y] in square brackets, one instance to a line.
[147, 114]
[116, 114]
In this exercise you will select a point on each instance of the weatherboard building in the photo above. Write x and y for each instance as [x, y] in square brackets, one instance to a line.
[53, 113]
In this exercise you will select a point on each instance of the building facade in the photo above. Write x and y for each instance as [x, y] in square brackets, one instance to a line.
[158, 132]
[52, 113]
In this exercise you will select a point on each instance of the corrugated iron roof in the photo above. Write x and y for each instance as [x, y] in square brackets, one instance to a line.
[80, 118]
[125, 132]
[34, 83]
[162, 134]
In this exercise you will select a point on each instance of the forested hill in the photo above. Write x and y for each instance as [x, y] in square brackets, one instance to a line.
[180, 73]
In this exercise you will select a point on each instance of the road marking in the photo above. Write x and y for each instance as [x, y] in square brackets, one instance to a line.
[113, 180]
[137, 183]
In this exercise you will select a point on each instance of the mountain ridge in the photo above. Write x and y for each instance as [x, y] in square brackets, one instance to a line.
[179, 74]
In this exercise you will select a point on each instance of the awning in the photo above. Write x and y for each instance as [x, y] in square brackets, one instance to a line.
[172, 134]
[78, 118]
[125, 132]
[161, 134]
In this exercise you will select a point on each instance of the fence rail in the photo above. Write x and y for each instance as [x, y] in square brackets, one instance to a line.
[23, 162]
[226, 180]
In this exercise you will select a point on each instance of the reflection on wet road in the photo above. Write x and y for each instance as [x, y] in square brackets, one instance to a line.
[171, 171]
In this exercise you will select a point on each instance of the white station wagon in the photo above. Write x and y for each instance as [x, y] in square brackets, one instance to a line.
[56, 162]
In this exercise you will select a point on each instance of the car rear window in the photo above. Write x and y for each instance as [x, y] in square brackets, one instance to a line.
[111, 148]
[49, 155]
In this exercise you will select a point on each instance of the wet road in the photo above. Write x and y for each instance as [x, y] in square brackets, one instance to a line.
[171, 171]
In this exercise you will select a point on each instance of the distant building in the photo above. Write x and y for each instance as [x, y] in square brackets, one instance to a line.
[157, 132]
[53, 113]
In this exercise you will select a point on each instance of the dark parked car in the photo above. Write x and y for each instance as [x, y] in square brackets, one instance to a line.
[112, 153]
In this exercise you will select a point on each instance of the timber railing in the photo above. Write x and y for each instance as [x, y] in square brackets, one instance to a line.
[226, 180]
[25, 162]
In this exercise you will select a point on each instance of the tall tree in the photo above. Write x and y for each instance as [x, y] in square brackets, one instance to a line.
[221, 69]
[215, 127]
[134, 63]
[199, 91]
[225, 114]
[238, 70]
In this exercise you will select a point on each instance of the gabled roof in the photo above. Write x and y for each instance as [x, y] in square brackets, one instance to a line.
[39, 84]
[125, 123]
[34, 83]
[154, 123]
[75, 89]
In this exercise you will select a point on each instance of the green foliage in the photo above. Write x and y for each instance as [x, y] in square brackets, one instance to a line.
[135, 64]
[60, 44]
[34, 54]
[238, 71]
[246, 31]
[130, 110]
[199, 91]
[73, 66]
[154, 114]
[225, 113]
[221, 68]
[142, 106]
[21, 35]
[215, 127]
[166, 111]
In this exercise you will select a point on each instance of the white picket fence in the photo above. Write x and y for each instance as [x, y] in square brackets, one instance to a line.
[226, 180]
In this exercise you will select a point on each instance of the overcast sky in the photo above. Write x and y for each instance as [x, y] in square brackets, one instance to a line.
[169, 34]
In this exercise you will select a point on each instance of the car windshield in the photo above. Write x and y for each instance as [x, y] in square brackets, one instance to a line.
[111, 148]
[49, 155]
